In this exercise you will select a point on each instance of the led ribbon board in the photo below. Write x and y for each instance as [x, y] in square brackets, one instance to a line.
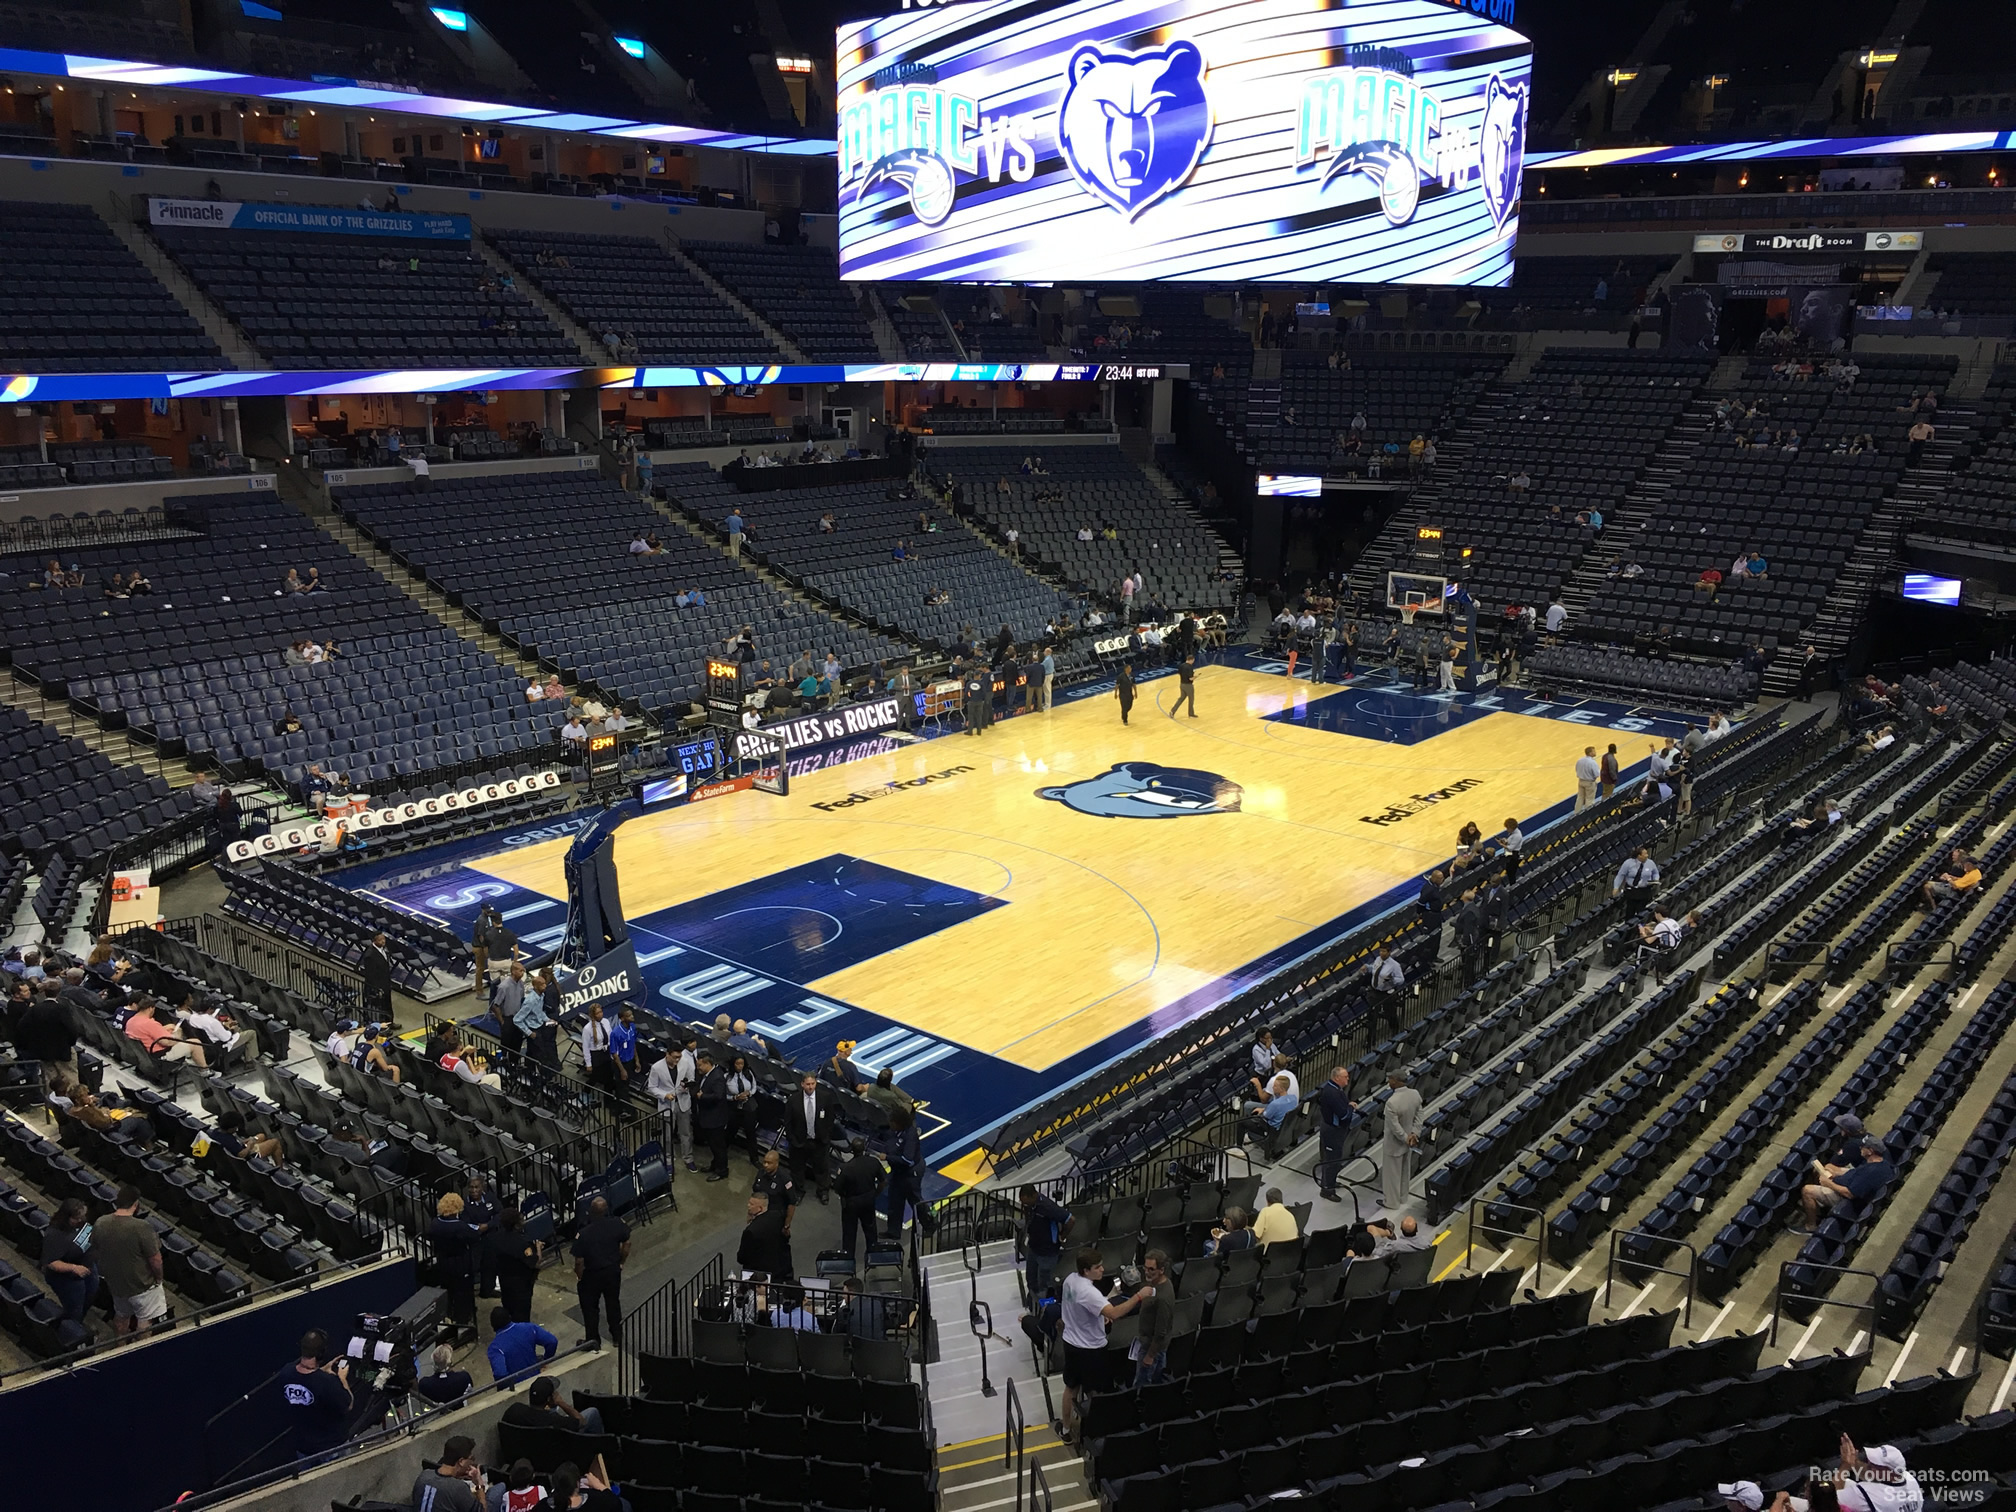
[1261, 140]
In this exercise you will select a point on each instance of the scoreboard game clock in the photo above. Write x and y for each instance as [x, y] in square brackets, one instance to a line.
[724, 691]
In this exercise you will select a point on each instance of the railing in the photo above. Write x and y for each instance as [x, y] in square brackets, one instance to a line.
[543, 1086]
[990, 1216]
[163, 852]
[191, 959]
[555, 1171]
[662, 1324]
[1014, 1434]
[394, 1246]
[291, 1468]
[1778, 1293]
[1634, 1269]
[1508, 1235]
[336, 988]
[1040, 1498]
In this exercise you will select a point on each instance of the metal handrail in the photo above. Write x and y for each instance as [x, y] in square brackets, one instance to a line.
[1014, 1435]
[1540, 1255]
[1778, 1292]
[1040, 1497]
[1687, 1275]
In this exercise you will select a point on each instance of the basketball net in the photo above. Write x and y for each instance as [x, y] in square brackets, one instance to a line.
[1407, 613]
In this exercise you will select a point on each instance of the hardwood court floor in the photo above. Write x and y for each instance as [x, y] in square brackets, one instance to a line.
[1108, 919]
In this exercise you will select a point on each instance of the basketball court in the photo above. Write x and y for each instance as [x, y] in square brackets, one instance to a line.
[994, 915]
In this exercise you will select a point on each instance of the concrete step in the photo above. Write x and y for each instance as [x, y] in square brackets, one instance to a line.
[723, 293]
[234, 343]
[591, 348]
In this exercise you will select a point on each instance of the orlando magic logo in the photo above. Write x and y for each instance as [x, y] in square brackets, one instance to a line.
[1147, 790]
[927, 179]
[1504, 146]
[1134, 125]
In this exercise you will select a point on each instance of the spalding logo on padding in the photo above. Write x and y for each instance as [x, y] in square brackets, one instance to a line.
[1147, 790]
[1133, 125]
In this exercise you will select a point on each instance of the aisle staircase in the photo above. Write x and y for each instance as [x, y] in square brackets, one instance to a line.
[978, 1465]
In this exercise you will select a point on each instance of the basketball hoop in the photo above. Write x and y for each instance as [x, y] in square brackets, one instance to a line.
[1408, 611]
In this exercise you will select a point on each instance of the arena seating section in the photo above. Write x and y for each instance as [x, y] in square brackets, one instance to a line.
[1979, 502]
[1804, 511]
[77, 301]
[852, 567]
[984, 334]
[1582, 426]
[1973, 283]
[545, 560]
[1561, 291]
[1295, 424]
[631, 285]
[316, 301]
[1093, 486]
[199, 667]
[67, 808]
[796, 289]
[922, 332]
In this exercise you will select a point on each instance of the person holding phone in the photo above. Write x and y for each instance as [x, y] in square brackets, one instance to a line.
[317, 1394]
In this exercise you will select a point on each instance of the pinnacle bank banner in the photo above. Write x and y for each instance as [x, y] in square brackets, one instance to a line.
[333, 220]
[1379, 141]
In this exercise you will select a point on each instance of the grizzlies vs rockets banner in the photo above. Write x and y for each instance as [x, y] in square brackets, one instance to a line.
[1260, 140]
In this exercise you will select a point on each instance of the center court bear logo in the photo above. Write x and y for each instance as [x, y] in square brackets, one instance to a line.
[1504, 146]
[1133, 125]
[1147, 790]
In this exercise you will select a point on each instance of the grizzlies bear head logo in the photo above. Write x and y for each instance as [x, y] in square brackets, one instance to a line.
[1504, 146]
[1147, 790]
[1133, 125]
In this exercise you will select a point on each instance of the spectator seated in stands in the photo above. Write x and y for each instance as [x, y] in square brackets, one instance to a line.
[545, 1407]
[1663, 932]
[1709, 581]
[1262, 1122]
[73, 1100]
[215, 1026]
[1826, 814]
[1881, 738]
[471, 1068]
[1861, 1183]
[1274, 1224]
[233, 1141]
[1960, 876]
[1236, 1235]
[1389, 1241]
[166, 1045]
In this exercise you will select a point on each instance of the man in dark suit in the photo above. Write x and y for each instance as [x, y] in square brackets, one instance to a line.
[860, 1184]
[1469, 932]
[809, 1119]
[712, 1113]
[1335, 1113]
[376, 965]
[765, 1246]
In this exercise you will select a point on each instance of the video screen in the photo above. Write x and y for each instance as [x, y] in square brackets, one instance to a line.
[1288, 486]
[1927, 589]
[656, 790]
[1262, 141]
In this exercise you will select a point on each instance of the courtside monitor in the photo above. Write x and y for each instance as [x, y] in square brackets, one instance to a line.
[1927, 589]
[1261, 141]
[1288, 486]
